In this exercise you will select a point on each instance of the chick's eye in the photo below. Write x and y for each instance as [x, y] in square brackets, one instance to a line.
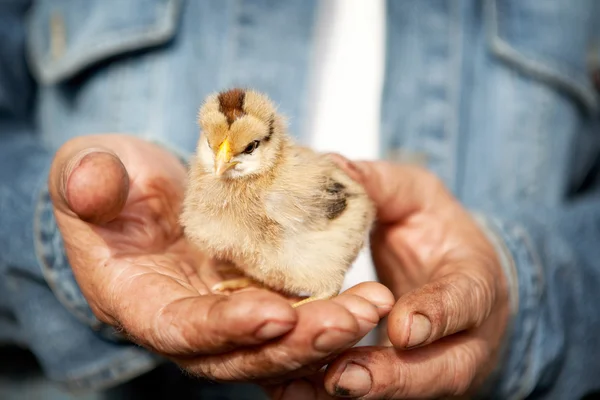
[251, 147]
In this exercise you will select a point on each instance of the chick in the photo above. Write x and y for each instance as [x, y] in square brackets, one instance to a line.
[287, 217]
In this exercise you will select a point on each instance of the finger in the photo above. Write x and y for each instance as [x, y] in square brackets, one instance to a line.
[459, 301]
[323, 327]
[365, 313]
[397, 190]
[368, 302]
[91, 183]
[176, 322]
[445, 368]
[376, 294]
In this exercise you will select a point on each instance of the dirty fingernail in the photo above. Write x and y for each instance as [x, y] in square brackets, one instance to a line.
[333, 339]
[273, 329]
[355, 381]
[420, 330]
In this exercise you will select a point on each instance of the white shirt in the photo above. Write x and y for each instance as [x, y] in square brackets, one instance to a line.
[347, 75]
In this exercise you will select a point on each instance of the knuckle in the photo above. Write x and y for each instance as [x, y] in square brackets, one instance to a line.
[462, 369]
[278, 359]
[230, 371]
[454, 302]
[335, 316]
[481, 297]
[401, 388]
[219, 370]
[464, 302]
[262, 367]
[439, 304]
[207, 370]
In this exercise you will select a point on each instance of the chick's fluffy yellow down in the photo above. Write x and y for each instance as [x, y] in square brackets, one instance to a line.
[296, 227]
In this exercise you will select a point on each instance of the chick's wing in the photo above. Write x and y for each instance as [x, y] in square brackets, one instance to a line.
[309, 192]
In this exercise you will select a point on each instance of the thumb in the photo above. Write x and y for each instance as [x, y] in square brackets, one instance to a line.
[91, 183]
[396, 189]
[458, 301]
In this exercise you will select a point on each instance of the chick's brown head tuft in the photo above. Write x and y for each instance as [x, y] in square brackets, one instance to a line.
[241, 133]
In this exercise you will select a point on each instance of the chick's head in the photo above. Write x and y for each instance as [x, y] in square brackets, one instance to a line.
[242, 134]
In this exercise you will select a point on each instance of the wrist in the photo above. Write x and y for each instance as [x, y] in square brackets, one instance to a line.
[509, 310]
[512, 378]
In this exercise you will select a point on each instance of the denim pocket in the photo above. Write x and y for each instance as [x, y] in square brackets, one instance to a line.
[538, 38]
[65, 37]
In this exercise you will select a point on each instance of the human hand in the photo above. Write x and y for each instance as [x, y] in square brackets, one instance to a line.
[452, 303]
[117, 200]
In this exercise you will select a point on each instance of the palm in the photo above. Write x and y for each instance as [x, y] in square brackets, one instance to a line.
[413, 252]
[436, 251]
[145, 254]
[143, 251]
[446, 327]
[118, 212]
[407, 251]
[146, 241]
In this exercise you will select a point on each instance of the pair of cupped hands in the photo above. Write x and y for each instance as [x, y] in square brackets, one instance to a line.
[117, 199]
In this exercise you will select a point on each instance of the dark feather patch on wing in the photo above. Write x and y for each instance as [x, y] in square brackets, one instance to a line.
[336, 199]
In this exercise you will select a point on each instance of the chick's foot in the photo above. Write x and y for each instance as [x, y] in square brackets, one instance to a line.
[313, 298]
[233, 284]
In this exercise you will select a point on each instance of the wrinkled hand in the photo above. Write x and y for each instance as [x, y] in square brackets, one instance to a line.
[448, 323]
[117, 200]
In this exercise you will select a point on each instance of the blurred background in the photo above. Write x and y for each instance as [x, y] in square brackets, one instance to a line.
[498, 98]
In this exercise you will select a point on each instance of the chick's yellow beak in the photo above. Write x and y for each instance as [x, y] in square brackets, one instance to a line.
[223, 159]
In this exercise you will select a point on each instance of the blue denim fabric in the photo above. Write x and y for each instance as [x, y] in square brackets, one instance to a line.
[498, 98]
[496, 95]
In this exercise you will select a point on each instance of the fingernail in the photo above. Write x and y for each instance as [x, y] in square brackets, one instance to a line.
[420, 330]
[273, 329]
[355, 381]
[333, 339]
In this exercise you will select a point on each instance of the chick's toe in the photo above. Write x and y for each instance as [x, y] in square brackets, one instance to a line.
[233, 284]
[311, 299]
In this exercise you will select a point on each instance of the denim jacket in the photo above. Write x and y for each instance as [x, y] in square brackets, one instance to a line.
[498, 97]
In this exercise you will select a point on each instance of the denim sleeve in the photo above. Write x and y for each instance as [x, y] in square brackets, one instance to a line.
[41, 306]
[44, 308]
[552, 261]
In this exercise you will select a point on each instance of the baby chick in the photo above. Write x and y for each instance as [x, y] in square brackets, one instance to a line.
[284, 215]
